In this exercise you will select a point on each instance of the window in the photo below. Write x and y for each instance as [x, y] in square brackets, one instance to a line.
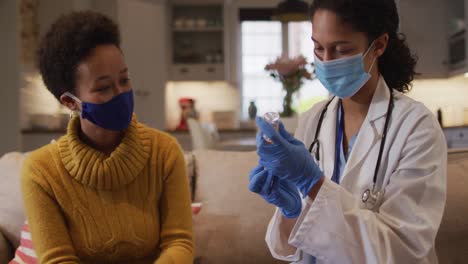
[300, 42]
[262, 43]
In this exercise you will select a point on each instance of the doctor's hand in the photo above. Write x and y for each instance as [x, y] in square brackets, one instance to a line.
[281, 193]
[287, 157]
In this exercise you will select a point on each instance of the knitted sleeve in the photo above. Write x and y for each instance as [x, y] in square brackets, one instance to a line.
[176, 214]
[48, 230]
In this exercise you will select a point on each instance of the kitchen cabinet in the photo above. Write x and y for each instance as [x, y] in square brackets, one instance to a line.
[200, 72]
[457, 36]
[424, 22]
[199, 41]
[143, 30]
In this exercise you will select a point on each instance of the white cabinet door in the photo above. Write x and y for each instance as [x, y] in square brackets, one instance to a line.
[424, 23]
[143, 29]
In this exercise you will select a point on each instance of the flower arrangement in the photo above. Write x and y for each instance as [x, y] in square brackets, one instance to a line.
[291, 72]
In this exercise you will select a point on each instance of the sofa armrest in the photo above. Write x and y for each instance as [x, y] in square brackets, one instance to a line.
[6, 252]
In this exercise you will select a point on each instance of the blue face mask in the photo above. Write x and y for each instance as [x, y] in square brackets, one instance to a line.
[115, 114]
[343, 77]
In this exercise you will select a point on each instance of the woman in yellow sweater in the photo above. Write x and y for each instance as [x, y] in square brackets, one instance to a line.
[112, 190]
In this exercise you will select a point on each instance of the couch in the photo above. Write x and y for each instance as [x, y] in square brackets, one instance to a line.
[231, 225]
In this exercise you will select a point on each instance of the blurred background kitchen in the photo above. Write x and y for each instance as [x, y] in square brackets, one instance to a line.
[198, 66]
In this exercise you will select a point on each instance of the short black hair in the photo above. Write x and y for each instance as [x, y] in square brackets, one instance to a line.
[375, 18]
[70, 40]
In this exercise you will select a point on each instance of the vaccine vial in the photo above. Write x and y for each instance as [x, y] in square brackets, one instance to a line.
[273, 118]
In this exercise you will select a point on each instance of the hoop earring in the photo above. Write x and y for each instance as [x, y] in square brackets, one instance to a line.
[73, 113]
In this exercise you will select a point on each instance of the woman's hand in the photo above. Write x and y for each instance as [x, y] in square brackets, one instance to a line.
[287, 158]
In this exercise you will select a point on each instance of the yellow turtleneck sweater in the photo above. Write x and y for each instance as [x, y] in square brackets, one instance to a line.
[132, 206]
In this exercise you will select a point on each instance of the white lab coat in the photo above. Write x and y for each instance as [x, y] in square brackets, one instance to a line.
[335, 227]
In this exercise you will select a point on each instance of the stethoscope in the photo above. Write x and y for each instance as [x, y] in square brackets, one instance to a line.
[371, 197]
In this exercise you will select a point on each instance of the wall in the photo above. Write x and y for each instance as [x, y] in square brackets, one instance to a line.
[9, 74]
[107, 7]
[209, 97]
[49, 11]
[34, 96]
[448, 94]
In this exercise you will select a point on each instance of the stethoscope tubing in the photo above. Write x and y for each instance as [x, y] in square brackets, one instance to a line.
[316, 143]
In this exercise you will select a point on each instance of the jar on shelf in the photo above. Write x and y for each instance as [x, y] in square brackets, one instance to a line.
[190, 23]
[201, 23]
[179, 22]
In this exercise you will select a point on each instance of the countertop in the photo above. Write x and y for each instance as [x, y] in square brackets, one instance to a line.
[63, 131]
[455, 127]
[221, 131]
[43, 131]
[237, 130]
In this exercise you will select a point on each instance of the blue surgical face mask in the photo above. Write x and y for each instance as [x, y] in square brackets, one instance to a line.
[115, 114]
[343, 77]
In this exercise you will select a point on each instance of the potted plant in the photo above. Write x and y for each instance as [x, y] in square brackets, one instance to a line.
[291, 72]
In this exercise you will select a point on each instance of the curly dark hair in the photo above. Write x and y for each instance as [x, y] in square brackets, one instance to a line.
[376, 17]
[71, 39]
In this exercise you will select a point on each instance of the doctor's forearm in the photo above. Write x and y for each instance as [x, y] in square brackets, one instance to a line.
[314, 191]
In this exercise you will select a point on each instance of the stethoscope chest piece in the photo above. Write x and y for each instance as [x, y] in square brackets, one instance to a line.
[372, 198]
[365, 195]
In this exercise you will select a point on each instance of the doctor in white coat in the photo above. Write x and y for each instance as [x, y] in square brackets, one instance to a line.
[364, 178]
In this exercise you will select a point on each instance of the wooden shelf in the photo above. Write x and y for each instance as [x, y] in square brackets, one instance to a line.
[208, 29]
[201, 64]
[196, 49]
[197, 71]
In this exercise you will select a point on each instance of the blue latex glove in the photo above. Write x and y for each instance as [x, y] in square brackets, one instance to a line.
[281, 193]
[287, 157]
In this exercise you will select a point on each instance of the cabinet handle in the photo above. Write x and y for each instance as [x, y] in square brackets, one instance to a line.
[210, 69]
[184, 70]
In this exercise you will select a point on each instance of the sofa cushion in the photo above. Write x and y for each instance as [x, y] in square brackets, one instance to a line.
[25, 253]
[232, 224]
[452, 238]
[11, 212]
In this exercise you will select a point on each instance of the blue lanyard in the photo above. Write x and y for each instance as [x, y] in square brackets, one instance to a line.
[338, 142]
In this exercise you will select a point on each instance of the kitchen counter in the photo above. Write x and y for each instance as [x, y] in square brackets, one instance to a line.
[33, 138]
[226, 135]
[455, 127]
[456, 136]
[234, 130]
[43, 131]
[64, 130]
